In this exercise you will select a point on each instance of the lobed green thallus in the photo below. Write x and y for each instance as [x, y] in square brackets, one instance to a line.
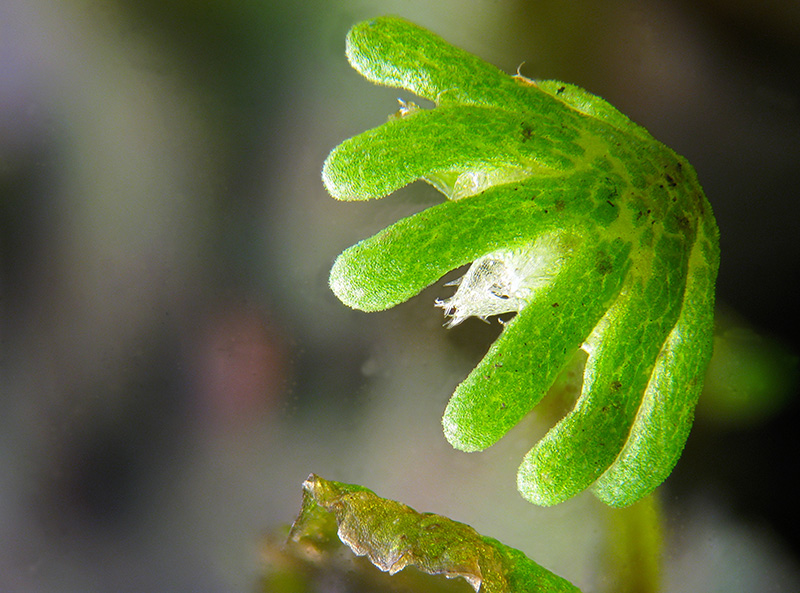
[596, 234]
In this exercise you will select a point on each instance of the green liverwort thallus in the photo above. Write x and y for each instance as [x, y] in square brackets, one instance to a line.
[596, 234]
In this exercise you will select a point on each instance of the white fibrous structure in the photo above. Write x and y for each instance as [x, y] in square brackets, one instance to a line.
[504, 281]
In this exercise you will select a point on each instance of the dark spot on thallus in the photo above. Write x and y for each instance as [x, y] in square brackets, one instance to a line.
[432, 526]
[670, 181]
[527, 132]
[603, 264]
[555, 305]
[561, 90]
[614, 190]
[616, 386]
[560, 205]
[683, 223]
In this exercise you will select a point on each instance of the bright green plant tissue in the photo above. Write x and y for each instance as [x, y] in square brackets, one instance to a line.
[598, 237]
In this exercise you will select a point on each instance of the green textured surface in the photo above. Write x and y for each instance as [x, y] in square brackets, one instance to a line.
[636, 287]
[393, 536]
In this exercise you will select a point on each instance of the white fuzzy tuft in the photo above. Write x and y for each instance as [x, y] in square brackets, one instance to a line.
[504, 281]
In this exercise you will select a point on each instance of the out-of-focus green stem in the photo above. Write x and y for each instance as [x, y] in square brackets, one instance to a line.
[635, 544]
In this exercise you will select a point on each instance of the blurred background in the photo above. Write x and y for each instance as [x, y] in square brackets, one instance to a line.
[173, 364]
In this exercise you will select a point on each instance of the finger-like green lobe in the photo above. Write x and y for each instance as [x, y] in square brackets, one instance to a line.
[446, 140]
[524, 361]
[398, 262]
[665, 416]
[569, 458]
[393, 536]
[394, 52]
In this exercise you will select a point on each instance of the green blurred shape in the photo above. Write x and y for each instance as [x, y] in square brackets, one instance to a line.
[750, 377]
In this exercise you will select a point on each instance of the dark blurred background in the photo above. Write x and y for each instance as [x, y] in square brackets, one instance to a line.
[173, 364]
